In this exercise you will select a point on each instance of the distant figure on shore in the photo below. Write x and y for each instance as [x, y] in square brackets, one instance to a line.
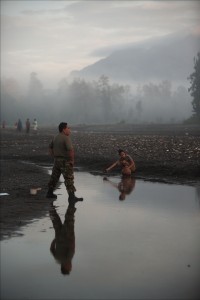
[35, 125]
[126, 163]
[125, 186]
[19, 125]
[28, 125]
[62, 150]
[4, 124]
[63, 245]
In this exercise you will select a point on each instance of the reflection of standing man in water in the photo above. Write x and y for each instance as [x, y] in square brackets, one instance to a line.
[125, 186]
[63, 245]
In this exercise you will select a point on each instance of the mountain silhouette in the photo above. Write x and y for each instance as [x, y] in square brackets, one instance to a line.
[169, 58]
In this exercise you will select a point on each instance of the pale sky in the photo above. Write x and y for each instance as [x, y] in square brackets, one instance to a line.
[53, 38]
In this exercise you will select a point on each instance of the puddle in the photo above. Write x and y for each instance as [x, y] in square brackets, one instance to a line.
[139, 244]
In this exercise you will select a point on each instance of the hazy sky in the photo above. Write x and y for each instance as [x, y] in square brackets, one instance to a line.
[53, 38]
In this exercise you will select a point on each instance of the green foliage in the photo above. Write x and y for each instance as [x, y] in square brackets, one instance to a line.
[194, 119]
[195, 86]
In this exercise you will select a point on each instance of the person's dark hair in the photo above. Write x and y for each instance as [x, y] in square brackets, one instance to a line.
[62, 126]
[120, 151]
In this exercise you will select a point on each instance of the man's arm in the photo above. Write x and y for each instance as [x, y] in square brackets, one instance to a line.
[70, 149]
[71, 156]
[112, 166]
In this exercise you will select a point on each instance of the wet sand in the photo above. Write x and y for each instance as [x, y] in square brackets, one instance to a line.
[162, 153]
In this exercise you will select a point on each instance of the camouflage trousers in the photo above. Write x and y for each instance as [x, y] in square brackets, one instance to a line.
[61, 166]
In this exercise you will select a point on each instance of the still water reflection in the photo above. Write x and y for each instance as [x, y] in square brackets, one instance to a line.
[125, 186]
[144, 247]
[63, 245]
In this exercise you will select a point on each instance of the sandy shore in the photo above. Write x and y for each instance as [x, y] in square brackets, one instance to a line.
[161, 153]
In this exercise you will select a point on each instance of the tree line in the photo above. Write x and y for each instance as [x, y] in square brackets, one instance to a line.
[100, 101]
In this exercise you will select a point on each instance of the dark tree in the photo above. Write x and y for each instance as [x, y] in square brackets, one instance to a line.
[105, 95]
[194, 89]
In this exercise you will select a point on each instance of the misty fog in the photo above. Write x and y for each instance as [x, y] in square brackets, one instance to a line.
[94, 102]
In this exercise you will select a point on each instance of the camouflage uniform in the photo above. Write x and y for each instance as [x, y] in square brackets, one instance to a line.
[62, 150]
[62, 166]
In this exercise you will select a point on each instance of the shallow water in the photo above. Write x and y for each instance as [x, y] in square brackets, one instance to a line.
[143, 247]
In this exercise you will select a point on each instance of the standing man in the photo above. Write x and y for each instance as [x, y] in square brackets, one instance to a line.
[35, 125]
[19, 125]
[61, 149]
[28, 125]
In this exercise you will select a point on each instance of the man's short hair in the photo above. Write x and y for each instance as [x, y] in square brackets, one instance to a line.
[62, 126]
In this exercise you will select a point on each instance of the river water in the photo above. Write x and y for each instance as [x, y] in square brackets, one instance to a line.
[130, 239]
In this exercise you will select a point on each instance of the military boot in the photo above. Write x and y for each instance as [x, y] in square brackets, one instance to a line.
[50, 194]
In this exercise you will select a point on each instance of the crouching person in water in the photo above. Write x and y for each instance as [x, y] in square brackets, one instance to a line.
[126, 163]
[61, 149]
